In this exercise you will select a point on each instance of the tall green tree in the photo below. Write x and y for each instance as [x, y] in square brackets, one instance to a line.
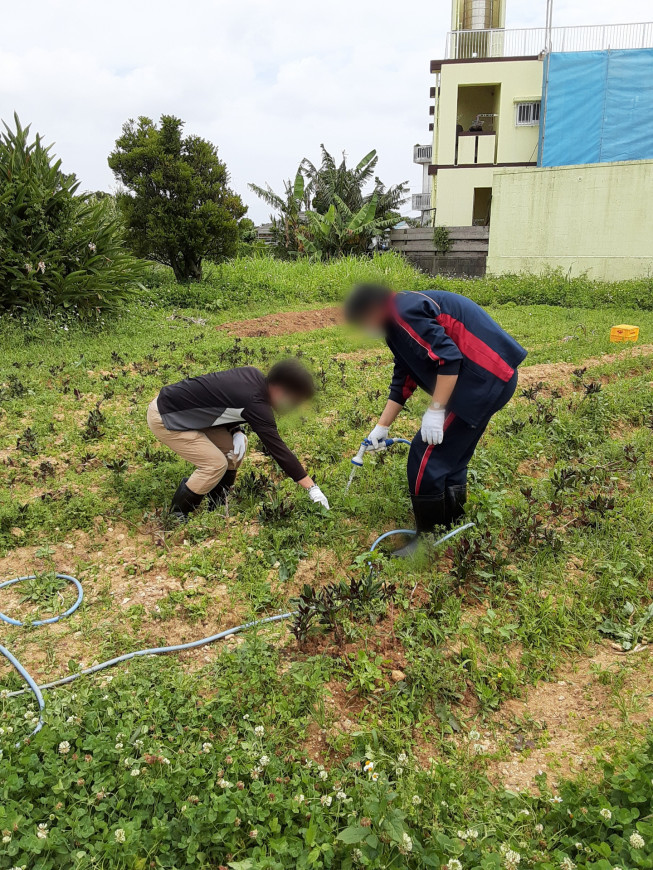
[333, 209]
[177, 203]
[58, 249]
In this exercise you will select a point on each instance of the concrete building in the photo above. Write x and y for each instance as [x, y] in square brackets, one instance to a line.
[487, 110]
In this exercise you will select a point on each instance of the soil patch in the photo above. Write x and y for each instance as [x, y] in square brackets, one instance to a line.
[554, 374]
[285, 323]
[554, 730]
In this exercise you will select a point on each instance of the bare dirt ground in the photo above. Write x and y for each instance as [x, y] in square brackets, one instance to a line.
[285, 323]
[554, 374]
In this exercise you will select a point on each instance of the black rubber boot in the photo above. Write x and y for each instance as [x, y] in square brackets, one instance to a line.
[456, 498]
[185, 501]
[430, 511]
[218, 495]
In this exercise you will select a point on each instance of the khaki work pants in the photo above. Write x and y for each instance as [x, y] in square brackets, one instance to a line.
[206, 448]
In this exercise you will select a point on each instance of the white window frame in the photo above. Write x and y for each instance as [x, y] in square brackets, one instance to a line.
[531, 113]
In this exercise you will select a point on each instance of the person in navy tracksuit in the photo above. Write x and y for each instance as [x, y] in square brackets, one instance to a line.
[451, 348]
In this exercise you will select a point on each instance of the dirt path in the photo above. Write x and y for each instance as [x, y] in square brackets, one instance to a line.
[285, 323]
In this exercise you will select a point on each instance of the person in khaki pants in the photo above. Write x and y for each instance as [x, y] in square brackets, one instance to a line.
[199, 418]
[216, 451]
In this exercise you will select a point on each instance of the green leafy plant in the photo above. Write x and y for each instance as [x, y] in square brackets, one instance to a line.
[58, 250]
[442, 241]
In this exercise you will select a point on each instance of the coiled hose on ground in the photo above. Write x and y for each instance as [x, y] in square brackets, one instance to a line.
[154, 651]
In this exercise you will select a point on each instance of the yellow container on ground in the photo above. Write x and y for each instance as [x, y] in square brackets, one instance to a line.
[624, 332]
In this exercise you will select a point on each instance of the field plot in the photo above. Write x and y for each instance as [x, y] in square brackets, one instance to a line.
[488, 706]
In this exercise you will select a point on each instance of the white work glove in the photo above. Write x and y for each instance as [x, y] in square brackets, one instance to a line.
[433, 426]
[379, 433]
[237, 453]
[316, 495]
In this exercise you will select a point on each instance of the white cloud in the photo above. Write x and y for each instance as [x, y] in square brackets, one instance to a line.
[268, 82]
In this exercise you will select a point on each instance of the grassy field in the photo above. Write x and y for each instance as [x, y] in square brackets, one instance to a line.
[459, 711]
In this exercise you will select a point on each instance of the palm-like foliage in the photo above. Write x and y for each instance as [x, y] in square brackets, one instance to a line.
[290, 212]
[330, 209]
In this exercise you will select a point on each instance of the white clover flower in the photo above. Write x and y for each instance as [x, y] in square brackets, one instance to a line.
[399, 770]
[567, 864]
[41, 267]
[605, 814]
[406, 844]
[92, 247]
[454, 864]
[369, 765]
[42, 831]
[474, 734]
[326, 800]
[139, 744]
[341, 796]
[357, 855]
[224, 783]
[416, 800]
[259, 731]
[636, 840]
[299, 798]
[166, 761]
[511, 859]
[207, 747]
[135, 771]
[323, 774]
[578, 846]
[64, 747]
[264, 761]
[524, 813]
[119, 834]
[539, 828]
[402, 758]
[6, 838]
[119, 746]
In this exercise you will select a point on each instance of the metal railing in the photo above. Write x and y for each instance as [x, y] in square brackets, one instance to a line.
[422, 153]
[533, 40]
[421, 201]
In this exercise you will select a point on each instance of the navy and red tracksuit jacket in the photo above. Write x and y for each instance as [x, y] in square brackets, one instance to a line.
[437, 332]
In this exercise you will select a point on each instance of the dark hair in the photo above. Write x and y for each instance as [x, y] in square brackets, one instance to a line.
[363, 299]
[293, 377]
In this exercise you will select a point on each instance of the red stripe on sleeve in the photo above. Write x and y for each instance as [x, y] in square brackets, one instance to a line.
[409, 329]
[474, 349]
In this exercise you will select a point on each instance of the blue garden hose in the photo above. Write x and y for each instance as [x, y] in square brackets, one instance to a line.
[37, 690]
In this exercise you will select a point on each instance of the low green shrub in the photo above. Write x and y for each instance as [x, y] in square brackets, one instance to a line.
[58, 251]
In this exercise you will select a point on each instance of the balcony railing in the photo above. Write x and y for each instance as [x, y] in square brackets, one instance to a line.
[533, 40]
[421, 201]
[422, 153]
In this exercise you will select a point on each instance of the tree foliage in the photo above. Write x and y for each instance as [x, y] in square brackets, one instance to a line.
[333, 209]
[57, 249]
[177, 203]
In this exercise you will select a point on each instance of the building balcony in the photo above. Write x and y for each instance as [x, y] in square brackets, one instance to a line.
[421, 201]
[532, 41]
[422, 153]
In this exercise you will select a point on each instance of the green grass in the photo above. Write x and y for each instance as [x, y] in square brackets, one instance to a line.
[559, 563]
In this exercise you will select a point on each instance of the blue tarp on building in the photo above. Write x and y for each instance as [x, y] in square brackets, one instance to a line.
[597, 107]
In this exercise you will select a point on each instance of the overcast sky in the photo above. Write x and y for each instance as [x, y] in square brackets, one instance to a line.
[266, 80]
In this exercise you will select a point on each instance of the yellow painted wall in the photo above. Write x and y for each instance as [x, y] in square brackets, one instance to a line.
[509, 81]
[593, 219]
[455, 194]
